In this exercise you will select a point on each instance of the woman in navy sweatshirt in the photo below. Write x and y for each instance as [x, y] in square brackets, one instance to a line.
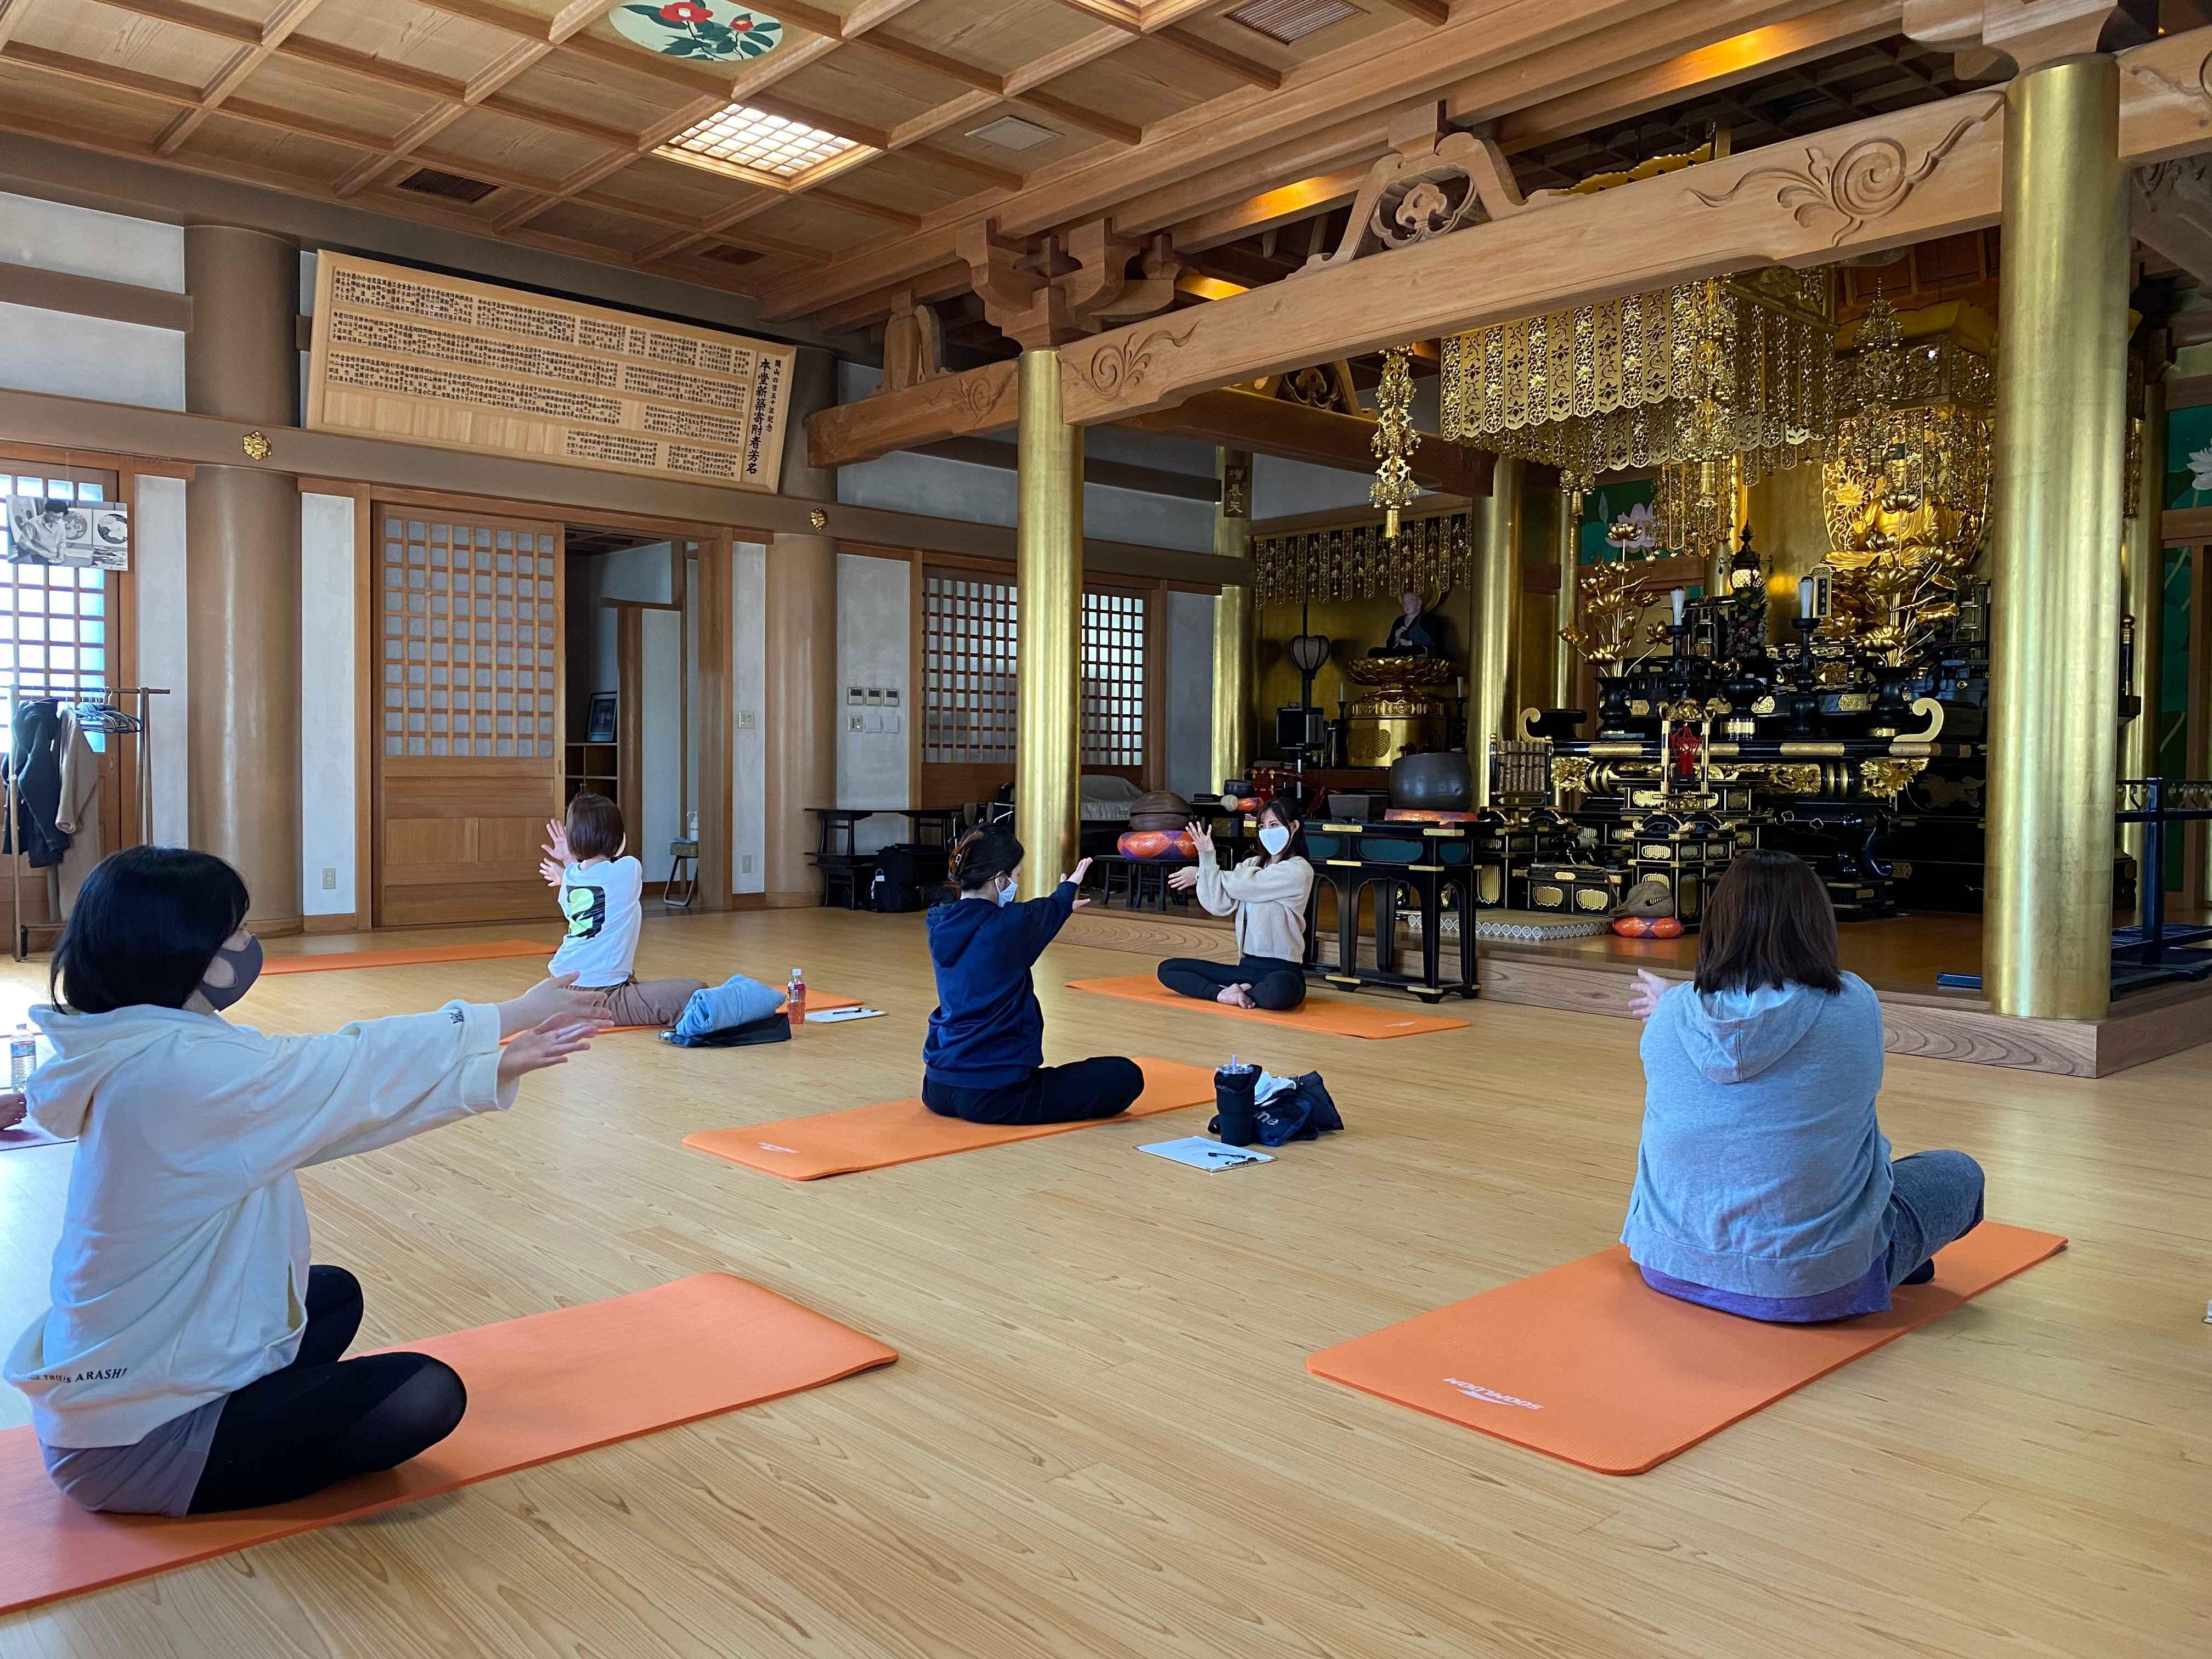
[984, 1060]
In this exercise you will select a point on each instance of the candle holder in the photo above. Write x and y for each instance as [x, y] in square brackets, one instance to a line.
[1805, 695]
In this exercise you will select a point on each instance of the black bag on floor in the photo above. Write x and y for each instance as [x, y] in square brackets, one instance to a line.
[776, 1028]
[1303, 1111]
[904, 873]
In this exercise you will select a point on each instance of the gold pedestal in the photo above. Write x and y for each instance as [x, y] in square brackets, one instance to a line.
[1048, 649]
[2062, 431]
[1378, 730]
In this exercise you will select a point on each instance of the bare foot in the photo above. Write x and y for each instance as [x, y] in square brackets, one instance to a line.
[1237, 996]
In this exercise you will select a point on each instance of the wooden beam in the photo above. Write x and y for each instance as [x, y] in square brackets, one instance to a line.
[1286, 204]
[1757, 207]
[952, 406]
[1112, 475]
[1078, 115]
[2171, 213]
[232, 75]
[11, 17]
[1232, 418]
[1434, 13]
[1251, 71]
[92, 296]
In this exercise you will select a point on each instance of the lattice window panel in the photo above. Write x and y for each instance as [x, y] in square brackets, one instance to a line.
[1113, 679]
[468, 628]
[968, 631]
[54, 618]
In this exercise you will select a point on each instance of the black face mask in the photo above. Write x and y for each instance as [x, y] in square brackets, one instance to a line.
[244, 963]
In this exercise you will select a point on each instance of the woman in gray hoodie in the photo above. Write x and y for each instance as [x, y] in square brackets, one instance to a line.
[1763, 1185]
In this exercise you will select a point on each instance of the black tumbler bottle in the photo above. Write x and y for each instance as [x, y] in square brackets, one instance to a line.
[1234, 1087]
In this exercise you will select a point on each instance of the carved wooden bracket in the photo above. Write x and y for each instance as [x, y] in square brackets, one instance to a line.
[2032, 33]
[913, 344]
[1043, 295]
[1438, 182]
[2171, 208]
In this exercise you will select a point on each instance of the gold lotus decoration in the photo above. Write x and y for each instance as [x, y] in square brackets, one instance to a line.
[1614, 599]
[1737, 367]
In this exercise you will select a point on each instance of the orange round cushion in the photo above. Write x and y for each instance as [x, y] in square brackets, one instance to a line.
[1637, 927]
[1157, 844]
[1666, 927]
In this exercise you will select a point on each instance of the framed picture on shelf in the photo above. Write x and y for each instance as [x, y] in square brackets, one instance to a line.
[601, 727]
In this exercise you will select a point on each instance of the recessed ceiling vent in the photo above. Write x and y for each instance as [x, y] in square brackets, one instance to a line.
[1286, 21]
[429, 181]
[1011, 132]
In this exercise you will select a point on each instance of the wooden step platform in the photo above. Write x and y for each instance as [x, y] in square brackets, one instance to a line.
[1596, 976]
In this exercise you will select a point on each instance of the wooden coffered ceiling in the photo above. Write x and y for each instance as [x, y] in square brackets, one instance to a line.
[543, 124]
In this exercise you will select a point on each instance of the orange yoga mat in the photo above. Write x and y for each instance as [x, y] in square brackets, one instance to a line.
[1334, 1015]
[308, 962]
[541, 1387]
[906, 1131]
[1588, 1363]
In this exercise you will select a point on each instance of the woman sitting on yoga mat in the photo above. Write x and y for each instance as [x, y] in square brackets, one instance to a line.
[984, 1060]
[1267, 896]
[1764, 1186]
[189, 1362]
[602, 900]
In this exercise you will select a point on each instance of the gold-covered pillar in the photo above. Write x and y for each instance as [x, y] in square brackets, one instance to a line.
[1566, 551]
[1233, 613]
[2144, 599]
[2061, 433]
[1497, 595]
[1048, 666]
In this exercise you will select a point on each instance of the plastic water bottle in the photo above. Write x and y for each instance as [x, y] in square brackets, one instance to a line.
[22, 1055]
[1234, 1086]
[794, 999]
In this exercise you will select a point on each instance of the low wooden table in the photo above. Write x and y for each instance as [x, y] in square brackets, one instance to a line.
[1143, 882]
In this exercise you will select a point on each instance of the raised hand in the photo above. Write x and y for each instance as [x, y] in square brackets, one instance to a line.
[552, 869]
[557, 841]
[1077, 874]
[559, 999]
[1645, 999]
[1182, 880]
[1201, 839]
[550, 1043]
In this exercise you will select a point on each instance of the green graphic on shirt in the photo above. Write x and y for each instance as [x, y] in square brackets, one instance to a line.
[587, 910]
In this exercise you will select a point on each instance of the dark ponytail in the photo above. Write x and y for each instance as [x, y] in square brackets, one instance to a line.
[984, 854]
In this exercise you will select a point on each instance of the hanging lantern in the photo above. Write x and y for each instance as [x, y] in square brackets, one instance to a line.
[1395, 439]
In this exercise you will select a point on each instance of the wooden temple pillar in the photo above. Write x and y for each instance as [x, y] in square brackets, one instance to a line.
[2056, 513]
[800, 737]
[2144, 599]
[1048, 644]
[241, 616]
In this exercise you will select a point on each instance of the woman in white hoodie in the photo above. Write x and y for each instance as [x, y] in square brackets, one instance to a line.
[1267, 896]
[190, 1360]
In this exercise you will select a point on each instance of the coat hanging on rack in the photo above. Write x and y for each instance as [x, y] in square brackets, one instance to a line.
[35, 758]
[77, 813]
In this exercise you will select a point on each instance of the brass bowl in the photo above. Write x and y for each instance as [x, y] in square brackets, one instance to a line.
[1398, 673]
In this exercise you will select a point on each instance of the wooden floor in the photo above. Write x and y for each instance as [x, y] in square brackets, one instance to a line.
[1100, 1439]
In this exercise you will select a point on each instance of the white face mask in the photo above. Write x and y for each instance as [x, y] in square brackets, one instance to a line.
[1274, 838]
[1006, 893]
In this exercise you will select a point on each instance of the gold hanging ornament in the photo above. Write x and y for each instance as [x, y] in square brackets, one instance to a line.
[1395, 439]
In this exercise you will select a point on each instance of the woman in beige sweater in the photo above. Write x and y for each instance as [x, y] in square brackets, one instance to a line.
[1267, 895]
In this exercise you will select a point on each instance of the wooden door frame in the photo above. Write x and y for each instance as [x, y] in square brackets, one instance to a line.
[716, 667]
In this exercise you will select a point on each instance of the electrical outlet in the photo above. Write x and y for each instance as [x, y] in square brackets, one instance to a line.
[857, 723]
[746, 722]
[330, 879]
[745, 865]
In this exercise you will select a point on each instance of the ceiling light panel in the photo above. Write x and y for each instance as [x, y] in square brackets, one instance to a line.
[1011, 132]
[742, 139]
[1287, 22]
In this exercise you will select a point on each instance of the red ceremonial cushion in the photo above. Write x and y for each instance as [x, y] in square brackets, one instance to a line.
[1666, 927]
[1637, 927]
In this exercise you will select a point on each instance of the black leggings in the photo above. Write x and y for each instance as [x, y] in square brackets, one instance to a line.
[1053, 1094]
[322, 1419]
[1277, 985]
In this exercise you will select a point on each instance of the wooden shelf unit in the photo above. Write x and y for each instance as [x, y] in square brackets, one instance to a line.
[592, 766]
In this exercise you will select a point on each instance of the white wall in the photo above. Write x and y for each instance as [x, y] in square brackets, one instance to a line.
[1189, 711]
[157, 568]
[326, 706]
[875, 644]
[749, 691]
[641, 574]
[660, 794]
[70, 356]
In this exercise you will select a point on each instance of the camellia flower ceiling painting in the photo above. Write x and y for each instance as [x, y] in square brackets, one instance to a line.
[714, 30]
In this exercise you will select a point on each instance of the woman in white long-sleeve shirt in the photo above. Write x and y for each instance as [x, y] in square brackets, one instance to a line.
[1267, 895]
[190, 1360]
